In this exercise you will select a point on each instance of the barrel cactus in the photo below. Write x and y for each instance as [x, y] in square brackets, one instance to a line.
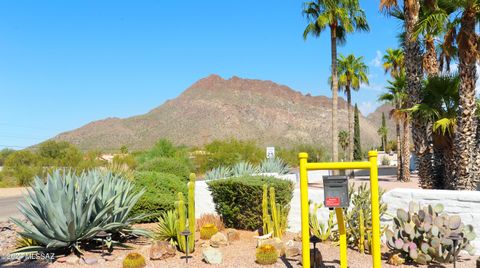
[423, 234]
[134, 260]
[266, 254]
[208, 230]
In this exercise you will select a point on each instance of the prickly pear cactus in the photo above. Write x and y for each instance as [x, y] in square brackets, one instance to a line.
[422, 234]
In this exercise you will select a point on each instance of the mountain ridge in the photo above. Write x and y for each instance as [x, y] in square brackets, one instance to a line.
[216, 108]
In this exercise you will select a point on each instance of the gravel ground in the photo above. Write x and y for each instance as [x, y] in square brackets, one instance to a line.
[238, 254]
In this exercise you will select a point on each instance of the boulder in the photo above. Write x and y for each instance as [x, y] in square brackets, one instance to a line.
[212, 256]
[232, 235]
[276, 242]
[161, 250]
[291, 249]
[218, 240]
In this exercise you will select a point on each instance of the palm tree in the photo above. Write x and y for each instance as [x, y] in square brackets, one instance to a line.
[440, 105]
[397, 96]
[393, 62]
[433, 22]
[341, 17]
[467, 40]
[344, 141]
[352, 72]
[413, 66]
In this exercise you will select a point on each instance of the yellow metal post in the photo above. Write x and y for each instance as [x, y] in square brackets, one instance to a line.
[304, 209]
[343, 237]
[376, 254]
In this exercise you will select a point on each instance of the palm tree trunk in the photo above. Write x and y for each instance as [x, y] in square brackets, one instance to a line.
[406, 150]
[333, 40]
[430, 63]
[350, 124]
[466, 123]
[414, 71]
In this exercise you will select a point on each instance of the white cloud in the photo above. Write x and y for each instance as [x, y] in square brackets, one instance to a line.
[377, 61]
[367, 107]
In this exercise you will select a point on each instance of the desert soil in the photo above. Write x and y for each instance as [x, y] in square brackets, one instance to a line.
[237, 254]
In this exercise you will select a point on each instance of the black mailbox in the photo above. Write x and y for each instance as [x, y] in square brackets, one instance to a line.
[336, 191]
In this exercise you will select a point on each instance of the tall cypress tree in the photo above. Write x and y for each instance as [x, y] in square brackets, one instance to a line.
[357, 148]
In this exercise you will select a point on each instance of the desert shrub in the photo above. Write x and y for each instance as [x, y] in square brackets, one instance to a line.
[229, 152]
[161, 192]
[4, 153]
[125, 160]
[59, 154]
[385, 161]
[239, 200]
[290, 155]
[210, 218]
[24, 166]
[423, 234]
[166, 165]
[67, 211]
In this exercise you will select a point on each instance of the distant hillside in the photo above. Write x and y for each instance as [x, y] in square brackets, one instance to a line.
[217, 108]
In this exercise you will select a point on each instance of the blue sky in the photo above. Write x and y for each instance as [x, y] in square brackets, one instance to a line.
[66, 63]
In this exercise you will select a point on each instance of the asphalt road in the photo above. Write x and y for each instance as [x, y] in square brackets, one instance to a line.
[8, 207]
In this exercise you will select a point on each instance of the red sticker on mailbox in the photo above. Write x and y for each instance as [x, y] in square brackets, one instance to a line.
[332, 201]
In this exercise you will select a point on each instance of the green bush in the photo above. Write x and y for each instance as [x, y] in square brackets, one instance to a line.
[160, 195]
[166, 165]
[290, 155]
[230, 152]
[239, 200]
[24, 166]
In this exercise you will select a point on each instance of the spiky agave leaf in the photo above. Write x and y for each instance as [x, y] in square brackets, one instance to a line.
[273, 165]
[244, 169]
[71, 209]
[218, 173]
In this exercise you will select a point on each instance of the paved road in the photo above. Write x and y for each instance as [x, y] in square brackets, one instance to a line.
[8, 207]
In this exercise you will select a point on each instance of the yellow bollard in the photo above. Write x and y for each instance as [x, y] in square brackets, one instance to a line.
[376, 253]
[305, 210]
[343, 238]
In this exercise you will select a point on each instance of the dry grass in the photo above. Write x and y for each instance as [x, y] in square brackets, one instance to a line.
[210, 218]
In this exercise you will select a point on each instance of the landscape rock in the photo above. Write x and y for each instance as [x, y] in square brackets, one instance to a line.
[232, 235]
[276, 242]
[291, 250]
[212, 256]
[218, 240]
[161, 250]
[90, 260]
[72, 260]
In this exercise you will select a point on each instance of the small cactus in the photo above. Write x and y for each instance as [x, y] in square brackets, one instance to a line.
[276, 223]
[134, 260]
[266, 254]
[208, 230]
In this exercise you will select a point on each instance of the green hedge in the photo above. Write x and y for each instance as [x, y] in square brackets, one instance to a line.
[166, 165]
[160, 195]
[239, 200]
